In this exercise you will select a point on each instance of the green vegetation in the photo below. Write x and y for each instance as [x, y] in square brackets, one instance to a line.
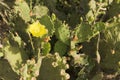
[59, 39]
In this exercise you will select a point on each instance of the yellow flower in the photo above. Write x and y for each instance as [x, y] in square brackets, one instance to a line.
[37, 29]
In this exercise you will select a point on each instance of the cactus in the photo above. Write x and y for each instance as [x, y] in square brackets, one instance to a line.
[62, 32]
[30, 70]
[46, 20]
[53, 68]
[114, 9]
[110, 48]
[39, 11]
[98, 76]
[85, 31]
[46, 47]
[14, 52]
[23, 9]
[6, 72]
[61, 48]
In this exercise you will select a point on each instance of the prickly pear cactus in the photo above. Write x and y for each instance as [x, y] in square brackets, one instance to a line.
[30, 70]
[46, 47]
[39, 11]
[53, 68]
[85, 32]
[13, 51]
[6, 72]
[46, 20]
[61, 48]
[22, 9]
[110, 48]
[62, 32]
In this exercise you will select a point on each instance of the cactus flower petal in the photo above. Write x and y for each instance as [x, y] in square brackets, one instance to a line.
[37, 29]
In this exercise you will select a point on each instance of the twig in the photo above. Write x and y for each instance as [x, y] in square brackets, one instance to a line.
[31, 41]
[97, 49]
